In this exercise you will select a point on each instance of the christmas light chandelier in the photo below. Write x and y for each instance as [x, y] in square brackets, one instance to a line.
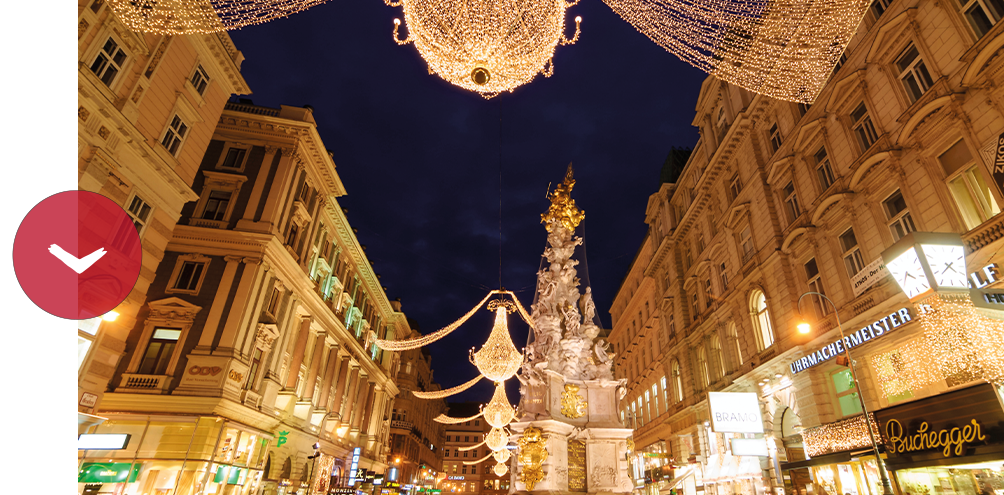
[171, 17]
[487, 47]
[498, 360]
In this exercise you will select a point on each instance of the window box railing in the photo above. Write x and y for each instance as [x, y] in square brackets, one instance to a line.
[144, 384]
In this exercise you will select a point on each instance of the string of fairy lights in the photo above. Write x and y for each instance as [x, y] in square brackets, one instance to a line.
[785, 49]
[497, 360]
[202, 16]
[486, 47]
[958, 342]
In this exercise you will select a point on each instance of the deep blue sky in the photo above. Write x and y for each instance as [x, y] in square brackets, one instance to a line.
[420, 158]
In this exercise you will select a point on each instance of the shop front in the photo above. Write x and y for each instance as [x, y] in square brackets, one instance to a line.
[840, 461]
[174, 456]
[949, 444]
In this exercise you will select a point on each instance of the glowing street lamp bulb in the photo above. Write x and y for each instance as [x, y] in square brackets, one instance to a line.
[803, 327]
[578, 18]
[397, 22]
[110, 316]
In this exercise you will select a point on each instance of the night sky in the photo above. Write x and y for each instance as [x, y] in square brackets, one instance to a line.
[421, 158]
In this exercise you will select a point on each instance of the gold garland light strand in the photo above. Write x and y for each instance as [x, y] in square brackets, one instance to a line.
[785, 49]
[404, 345]
[174, 17]
[442, 418]
[439, 394]
[486, 47]
[472, 447]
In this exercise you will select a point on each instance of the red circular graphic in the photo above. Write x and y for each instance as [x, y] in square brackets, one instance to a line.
[77, 255]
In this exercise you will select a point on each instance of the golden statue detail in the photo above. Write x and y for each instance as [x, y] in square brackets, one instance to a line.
[563, 209]
[532, 454]
[572, 405]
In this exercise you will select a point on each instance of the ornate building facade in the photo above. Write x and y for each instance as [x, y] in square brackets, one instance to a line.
[416, 441]
[779, 199]
[148, 106]
[252, 366]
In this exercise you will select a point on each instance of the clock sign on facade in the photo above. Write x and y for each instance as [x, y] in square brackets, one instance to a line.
[922, 261]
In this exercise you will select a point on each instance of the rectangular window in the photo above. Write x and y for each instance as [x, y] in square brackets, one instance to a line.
[735, 187]
[687, 260]
[158, 351]
[863, 127]
[900, 221]
[216, 205]
[200, 80]
[255, 364]
[791, 202]
[694, 305]
[912, 71]
[879, 7]
[815, 283]
[648, 406]
[139, 211]
[847, 393]
[235, 158]
[700, 242]
[851, 253]
[724, 274]
[707, 289]
[823, 169]
[291, 235]
[305, 193]
[273, 302]
[746, 240]
[189, 276]
[982, 14]
[969, 190]
[174, 136]
[775, 137]
[463, 470]
[86, 330]
[108, 62]
[655, 400]
[840, 62]
[670, 325]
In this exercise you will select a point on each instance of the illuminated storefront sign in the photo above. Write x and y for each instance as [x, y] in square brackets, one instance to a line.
[451, 477]
[354, 466]
[988, 275]
[102, 441]
[108, 472]
[924, 438]
[735, 412]
[874, 330]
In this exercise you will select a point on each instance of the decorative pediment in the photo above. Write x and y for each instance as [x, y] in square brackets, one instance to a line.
[267, 333]
[843, 89]
[990, 53]
[920, 116]
[778, 168]
[736, 212]
[807, 131]
[792, 236]
[866, 165]
[826, 204]
[173, 308]
[888, 36]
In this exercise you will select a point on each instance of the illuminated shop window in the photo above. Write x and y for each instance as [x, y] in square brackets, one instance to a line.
[846, 392]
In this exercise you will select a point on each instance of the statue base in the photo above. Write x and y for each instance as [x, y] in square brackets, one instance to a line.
[582, 433]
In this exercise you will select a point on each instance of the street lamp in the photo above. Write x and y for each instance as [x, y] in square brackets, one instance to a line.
[803, 327]
[310, 472]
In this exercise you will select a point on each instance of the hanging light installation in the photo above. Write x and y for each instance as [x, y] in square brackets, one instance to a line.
[501, 455]
[496, 439]
[498, 412]
[439, 394]
[498, 359]
[785, 49]
[487, 47]
[500, 469]
[173, 17]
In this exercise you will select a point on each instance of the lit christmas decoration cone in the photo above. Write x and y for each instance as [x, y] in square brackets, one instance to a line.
[499, 412]
[498, 360]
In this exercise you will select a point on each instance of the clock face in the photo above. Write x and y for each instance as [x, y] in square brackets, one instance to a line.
[907, 270]
[948, 264]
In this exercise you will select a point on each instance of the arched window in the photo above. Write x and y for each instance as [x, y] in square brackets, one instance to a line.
[717, 355]
[761, 320]
[702, 367]
[733, 336]
[677, 382]
[407, 368]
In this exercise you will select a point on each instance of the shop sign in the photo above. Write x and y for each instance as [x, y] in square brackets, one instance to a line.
[392, 475]
[378, 479]
[88, 399]
[102, 441]
[988, 275]
[205, 370]
[868, 276]
[452, 477]
[947, 425]
[873, 330]
[342, 491]
[756, 447]
[109, 472]
[232, 475]
[282, 439]
[354, 466]
[735, 412]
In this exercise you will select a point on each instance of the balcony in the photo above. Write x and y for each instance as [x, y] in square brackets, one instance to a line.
[202, 222]
[144, 384]
[404, 425]
[256, 110]
[984, 234]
